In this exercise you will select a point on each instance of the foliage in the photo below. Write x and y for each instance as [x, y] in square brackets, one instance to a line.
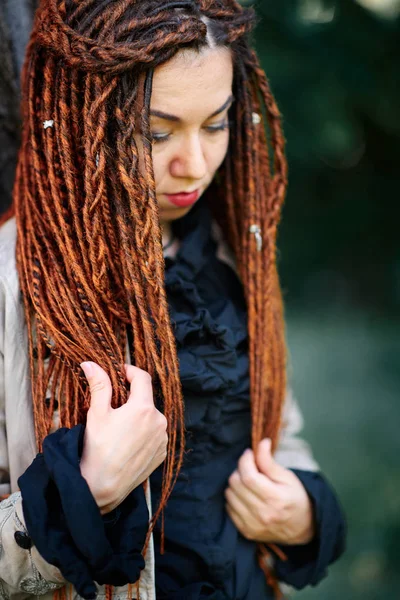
[334, 70]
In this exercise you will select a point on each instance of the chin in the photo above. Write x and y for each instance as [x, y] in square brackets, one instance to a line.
[172, 213]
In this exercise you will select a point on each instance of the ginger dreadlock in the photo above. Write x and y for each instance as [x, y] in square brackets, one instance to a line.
[89, 249]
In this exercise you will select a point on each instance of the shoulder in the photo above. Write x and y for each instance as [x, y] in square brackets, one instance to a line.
[9, 283]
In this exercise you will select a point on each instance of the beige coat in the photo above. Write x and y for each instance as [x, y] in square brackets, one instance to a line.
[24, 573]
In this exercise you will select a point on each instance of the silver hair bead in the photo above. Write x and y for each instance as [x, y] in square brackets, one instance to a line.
[256, 230]
[48, 123]
[256, 118]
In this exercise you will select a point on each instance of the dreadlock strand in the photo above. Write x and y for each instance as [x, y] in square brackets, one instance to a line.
[265, 259]
[276, 196]
[250, 255]
[68, 148]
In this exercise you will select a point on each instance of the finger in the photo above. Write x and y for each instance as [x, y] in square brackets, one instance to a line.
[244, 520]
[251, 477]
[235, 518]
[99, 385]
[252, 500]
[237, 505]
[266, 463]
[140, 384]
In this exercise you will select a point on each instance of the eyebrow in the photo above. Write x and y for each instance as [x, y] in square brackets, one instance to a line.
[168, 117]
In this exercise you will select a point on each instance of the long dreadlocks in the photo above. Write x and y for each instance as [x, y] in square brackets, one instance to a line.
[89, 250]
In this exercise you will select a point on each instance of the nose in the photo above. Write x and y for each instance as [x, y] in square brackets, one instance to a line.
[189, 161]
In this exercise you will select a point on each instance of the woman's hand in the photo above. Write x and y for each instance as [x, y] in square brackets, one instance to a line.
[267, 502]
[122, 446]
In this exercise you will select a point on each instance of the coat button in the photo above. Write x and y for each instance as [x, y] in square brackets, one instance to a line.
[23, 540]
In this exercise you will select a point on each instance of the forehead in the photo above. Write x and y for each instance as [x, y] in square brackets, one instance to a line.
[192, 85]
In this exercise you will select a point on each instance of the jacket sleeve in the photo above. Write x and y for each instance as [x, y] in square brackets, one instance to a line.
[307, 564]
[293, 452]
[23, 573]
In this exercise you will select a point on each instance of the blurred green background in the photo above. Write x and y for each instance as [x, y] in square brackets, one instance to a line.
[334, 67]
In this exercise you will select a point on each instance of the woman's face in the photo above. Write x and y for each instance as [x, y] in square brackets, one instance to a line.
[192, 94]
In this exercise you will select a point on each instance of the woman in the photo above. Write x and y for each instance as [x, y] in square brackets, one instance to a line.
[144, 182]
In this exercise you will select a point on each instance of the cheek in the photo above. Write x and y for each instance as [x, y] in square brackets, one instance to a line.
[160, 166]
[217, 154]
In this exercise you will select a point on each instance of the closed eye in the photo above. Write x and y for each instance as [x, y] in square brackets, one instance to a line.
[216, 128]
[158, 138]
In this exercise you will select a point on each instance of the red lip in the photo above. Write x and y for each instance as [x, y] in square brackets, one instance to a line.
[183, 198]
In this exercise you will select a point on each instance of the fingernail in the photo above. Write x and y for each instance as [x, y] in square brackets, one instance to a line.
[88, 368]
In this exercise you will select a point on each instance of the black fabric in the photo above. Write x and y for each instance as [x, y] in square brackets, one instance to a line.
[205, 555]
[65, 523]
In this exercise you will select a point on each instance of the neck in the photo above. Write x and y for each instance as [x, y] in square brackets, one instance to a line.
[166, 233]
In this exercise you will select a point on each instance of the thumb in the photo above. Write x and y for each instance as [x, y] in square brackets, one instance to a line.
[265, 462]
[100, 386]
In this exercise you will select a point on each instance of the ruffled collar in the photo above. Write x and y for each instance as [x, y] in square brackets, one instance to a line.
[208, 315]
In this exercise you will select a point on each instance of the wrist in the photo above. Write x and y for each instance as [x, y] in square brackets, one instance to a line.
[309, 530]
